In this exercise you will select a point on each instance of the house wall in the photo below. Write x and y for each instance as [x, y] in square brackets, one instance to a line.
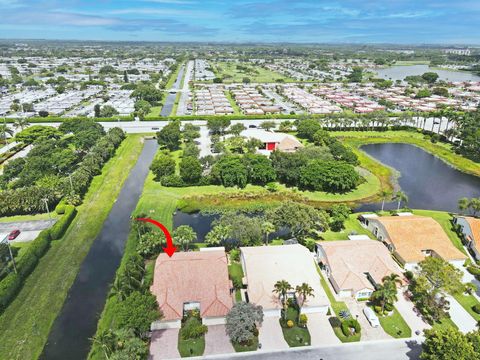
[271, 146]
[467, 234]
[364, 293]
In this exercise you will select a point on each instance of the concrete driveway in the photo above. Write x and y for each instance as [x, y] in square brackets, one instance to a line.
[414, 320]
[163, 344]
[460, 316]
[368, 332]
[217, 341]
[321, 332]
[29, 229]
[270, 335]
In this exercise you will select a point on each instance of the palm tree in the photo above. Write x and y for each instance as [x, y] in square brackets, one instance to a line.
[401, 196]
[21, 123]
[4, 130]
[218, 235]
[184, 235]
[267, 229]
[463, 204]
[303, 292]
[475, 205]
[281, 288]
[385, 294]
[384, 194]
[392, 278]
[105, 340]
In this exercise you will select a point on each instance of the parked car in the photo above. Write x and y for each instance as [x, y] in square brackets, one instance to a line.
[371, 317]
[252, 126]
[13, 234]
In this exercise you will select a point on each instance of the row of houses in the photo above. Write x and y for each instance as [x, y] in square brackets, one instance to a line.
[311, 103]
[252, 102]
[212, 101]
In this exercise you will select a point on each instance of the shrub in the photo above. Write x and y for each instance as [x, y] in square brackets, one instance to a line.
[378, 309]
[302, 320]
[474, 270]
[27, 263]
[235, 254]
[476, 308]
[349, 324]
[9, 287]
[409, 275]
[40, 245]
[388, 307]
[172, 181]
[290, 323]
[60, 208]
[335, 322]
[272, 187]
[193, 329]
[58, 230]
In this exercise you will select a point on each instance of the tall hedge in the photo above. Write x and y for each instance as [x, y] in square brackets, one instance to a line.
[61, 226]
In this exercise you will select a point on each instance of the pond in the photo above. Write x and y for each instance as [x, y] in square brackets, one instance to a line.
[429, 182]
[400, 72]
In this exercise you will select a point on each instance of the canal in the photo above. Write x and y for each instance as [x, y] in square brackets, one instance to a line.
[77, 321]
[429, 182]
[401, 72]
[170, 99]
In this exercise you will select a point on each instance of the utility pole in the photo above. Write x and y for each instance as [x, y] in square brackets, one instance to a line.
[5, 239]
[45, 200]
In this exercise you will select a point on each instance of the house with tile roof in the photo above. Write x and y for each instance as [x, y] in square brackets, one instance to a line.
[411, 238]
[196, 280]
[263, 266]
[470, 229]
[273, 140]
[356, 267]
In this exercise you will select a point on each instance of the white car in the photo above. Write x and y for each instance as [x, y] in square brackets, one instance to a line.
[371, 317]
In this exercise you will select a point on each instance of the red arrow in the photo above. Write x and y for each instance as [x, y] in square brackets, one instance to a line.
[169, 249]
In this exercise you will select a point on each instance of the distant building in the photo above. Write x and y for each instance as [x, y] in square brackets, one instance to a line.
[465, 52]
[273, 140]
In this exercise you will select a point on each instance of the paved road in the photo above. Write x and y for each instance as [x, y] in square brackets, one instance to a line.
[182, 104]
[401, 349]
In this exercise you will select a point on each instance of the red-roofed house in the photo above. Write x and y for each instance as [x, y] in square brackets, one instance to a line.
[192, 280]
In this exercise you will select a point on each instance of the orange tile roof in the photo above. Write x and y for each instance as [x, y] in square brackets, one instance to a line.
[200, 276]
[475, 227]
[410, 235]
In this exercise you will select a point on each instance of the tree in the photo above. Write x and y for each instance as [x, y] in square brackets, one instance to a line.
[281, 288]
[190, 170]
[303, 292]
[356, 75]
[401, 196]
[192, 150]
[307, 128]
[259, 169]
[125, 76]
[246, 80]
[443, 275]
[463, 204]
[330, 176]
[162, 165]
[170, 136]
[267, 229]
[147, 92]
[242, 229]
[230, 171]
[384, 194]
[236, 129]
[423, 93]
[386, 293]
[96, 110]
[446, 343]
[108, 111]
[218, 125]
[218, 235]
[191, 132]
[37, 133]
[300, 219]
[338, 214]
[150, 244]
[321, 137]
[428, 300]
[430, 77]
[268, 125]
[106, 341]
[143, 106]
[21, 123]
[4, 130]
[137, 312]
[242, 322]
[184, 235]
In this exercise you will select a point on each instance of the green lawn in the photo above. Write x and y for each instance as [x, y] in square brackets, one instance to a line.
[26, 322]
[235, 107]
[191, 347]
[395, 326]
[467, 302]
[43, 216]
[175, 104]
[235, 271]
[296, 335]
[256, 74]
[154, 111]
[351, 225]
[242, 348]
[444, 324]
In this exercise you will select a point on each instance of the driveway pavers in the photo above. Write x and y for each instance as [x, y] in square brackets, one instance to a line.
[414, 319]
[321, 331]
[270, 335]
[460, 316]
[217, 341]
[163, 344]
[368, 332]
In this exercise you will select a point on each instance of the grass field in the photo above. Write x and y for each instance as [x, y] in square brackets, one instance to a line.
[295, 336]
[26, 322]
[467, 302]
[235, 107]
[229, 72]
[395, 326]
[351, 225]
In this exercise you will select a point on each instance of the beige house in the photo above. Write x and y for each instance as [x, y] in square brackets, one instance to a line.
[411, 238]
[356, 267]
[263, 266]
[470, 228]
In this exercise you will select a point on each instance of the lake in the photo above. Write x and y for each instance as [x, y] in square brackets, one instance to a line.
[400, 72]
[429, 182]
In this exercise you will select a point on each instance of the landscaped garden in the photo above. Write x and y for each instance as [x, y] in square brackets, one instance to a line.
[191, 337]
[242, 324]
[294, 327]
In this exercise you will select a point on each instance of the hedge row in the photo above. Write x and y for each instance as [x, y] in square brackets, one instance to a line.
[12, 283]
[28, 200]
[54, 119]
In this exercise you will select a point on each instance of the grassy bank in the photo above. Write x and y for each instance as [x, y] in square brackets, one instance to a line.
[395, 326]
[26, 323]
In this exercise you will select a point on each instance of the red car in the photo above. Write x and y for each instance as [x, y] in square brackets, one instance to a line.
[13, 234]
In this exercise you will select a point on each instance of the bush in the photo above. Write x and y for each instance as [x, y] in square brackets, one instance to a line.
[290, 323]
[9, 287]
[193, 329]
[27, 263]
[349, 324]
[388, 307]
[474, 270]
[302, 320]
[409, 275]
[335, 322]
[378, 309]
[476, 308]
[60, 208]
[172, 181]
[40, 245]
[235, 254]
[58, 230]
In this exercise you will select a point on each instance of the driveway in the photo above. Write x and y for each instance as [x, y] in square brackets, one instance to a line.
[271, 335]
[460, 316]
[321, 332]
[217, 341]
[163, 344]
[368, 332]
[414, 320]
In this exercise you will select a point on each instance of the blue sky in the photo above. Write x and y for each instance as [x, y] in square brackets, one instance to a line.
[315, 21]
